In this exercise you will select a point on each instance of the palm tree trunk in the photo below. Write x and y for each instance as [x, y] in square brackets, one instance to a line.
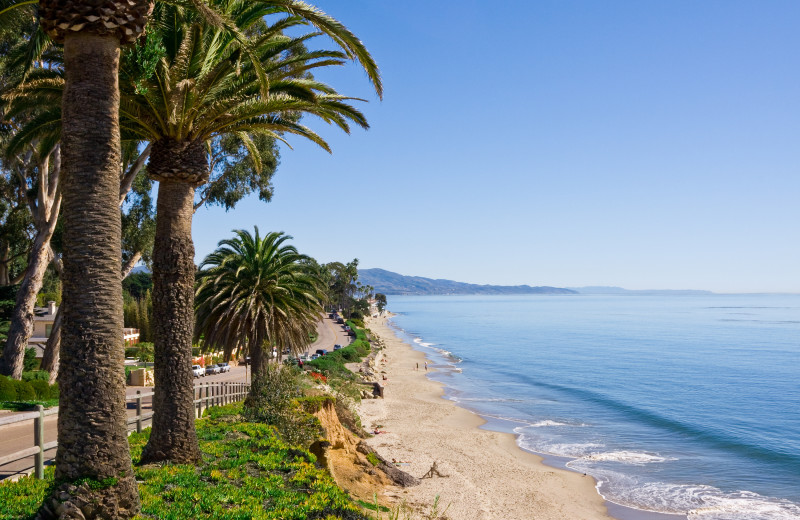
[93, 463]
[22, 318]
[173, 436]
[258, 375]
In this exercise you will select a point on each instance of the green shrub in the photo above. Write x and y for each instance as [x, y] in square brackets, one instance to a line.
[30, 362]
[145, 352]
[25, 391]
[373, 459]
[54, 392]
[36, 375]
[8, 390]
[131, 352]
[276, 404]
[41, 388]
[357, 322]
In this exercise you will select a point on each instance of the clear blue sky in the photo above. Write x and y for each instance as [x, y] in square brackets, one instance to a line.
[649, 145]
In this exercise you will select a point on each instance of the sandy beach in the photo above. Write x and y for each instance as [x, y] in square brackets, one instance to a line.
[488, 477]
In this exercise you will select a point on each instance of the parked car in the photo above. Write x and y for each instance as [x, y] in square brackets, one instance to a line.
[337, 347]
[305, 357]
[321, 351]
[314, 356]
[340, 321]
[212, 369]
[224, 367]
[198, 371]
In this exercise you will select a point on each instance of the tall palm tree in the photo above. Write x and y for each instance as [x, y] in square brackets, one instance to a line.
[253, 293]
[92, 439]
[209, 83]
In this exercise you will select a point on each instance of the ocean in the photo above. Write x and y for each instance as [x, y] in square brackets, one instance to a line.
[675, 404]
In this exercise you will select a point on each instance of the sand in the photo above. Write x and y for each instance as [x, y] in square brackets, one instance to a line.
[488, 476]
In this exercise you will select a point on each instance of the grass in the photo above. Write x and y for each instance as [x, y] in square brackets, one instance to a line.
[246, 472]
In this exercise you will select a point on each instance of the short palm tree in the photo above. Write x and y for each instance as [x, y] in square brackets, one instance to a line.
[207, 84]
[253, 293]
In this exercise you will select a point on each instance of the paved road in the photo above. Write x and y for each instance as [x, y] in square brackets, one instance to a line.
[20, 436]
[329, 334]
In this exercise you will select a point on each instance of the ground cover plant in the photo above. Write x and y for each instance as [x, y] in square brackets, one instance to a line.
[246, 472]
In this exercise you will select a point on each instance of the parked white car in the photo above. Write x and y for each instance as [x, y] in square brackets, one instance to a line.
[198, 371]
[224, 367]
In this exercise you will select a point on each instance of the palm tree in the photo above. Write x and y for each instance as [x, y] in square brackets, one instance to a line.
[92, 429]
[209, 83]
[253, 293]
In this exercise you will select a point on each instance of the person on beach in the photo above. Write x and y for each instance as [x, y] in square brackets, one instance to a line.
[426, 366]
[417, 366]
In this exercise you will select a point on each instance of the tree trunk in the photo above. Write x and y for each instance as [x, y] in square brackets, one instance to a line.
[173, 437]
[4, 261]
[258, 371]
[93, 463]
[51, 350]
[22, 318]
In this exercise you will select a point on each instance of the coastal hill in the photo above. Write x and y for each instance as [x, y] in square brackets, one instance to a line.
[387, 282]
[640, 292]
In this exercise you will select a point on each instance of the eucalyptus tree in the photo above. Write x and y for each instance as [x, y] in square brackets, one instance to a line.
[254, 293]
[209, 85]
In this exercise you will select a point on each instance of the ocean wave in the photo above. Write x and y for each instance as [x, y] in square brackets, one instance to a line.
[571, 450]
[698, 502]
[745, 506]
[546, 423]
[637, 458]
[448, 355]
[491, 400]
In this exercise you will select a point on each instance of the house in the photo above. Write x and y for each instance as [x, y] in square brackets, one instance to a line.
[43, 325]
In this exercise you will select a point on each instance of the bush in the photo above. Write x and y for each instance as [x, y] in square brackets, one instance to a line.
[25, 391]
[131, 352]
[357, 322]
[42, 389]
[145, 352]
[8, 390]
[30, 362]
[276, 404]
[36, 375]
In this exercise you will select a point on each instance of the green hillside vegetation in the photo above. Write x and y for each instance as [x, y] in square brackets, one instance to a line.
[387, 282]
[247, 471]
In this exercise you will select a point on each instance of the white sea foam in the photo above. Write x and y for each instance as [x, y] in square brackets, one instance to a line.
[625, 457]
[546, 423]
[572, 450]
[698, 502]
[745, 506]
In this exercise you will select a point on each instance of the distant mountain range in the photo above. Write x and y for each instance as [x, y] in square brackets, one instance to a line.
[620, 290]
[387, 282]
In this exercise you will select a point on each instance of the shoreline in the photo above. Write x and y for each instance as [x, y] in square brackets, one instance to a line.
[489, 476]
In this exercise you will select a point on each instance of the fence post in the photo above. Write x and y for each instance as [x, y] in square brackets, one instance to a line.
[199, 392]
[138, 411]
[38, 440]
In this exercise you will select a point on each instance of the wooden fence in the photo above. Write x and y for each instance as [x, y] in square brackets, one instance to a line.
[206, 395]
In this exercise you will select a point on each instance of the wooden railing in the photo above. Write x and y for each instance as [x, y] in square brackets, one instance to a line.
[206, 395]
